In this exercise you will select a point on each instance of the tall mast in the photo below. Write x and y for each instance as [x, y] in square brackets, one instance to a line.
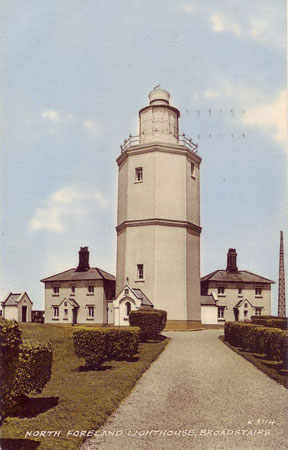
[281, 286]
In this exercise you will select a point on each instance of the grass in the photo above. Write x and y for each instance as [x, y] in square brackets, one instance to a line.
[274, 369]
[75, 398]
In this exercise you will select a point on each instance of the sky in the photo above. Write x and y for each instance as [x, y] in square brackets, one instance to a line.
[73, 78]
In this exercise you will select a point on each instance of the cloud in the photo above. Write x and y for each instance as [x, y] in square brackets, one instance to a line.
[92, 126]
[55, 116]
[70, 202]
[270, 116]
[221, 22]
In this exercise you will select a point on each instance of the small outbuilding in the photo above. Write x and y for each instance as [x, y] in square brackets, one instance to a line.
[17, 307]
[128, 300]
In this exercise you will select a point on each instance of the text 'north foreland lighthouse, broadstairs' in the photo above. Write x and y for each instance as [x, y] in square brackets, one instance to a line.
[158, 223]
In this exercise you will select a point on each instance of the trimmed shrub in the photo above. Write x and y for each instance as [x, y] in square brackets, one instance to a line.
[10, 340]
[271, 341]
[98, 345]
[122, 343]
[271, 322]
[34, 367]
[150, 321]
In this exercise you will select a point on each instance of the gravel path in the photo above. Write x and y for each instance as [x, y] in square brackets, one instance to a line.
[199, 395]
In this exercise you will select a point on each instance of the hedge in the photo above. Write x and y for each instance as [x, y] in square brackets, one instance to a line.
[150, 321]
[34, 367]
[24, 367]
[98, 345]
[270, 322]
[10, 340]
[256, 338]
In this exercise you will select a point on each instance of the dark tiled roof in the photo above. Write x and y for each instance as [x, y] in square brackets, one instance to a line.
[144, 300]
[242, 276]
[207, 300]
[71, 275]
[12, 300]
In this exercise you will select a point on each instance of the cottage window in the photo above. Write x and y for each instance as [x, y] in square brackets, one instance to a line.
[140, 271]
[245, 313]
[126, 291]
[240, 290]
[246, 305]
[65, 303]
[258, 291]
[56, 311]
[91, 311]
[56, 289]
[72, 289]
[221, 312]
[65, 312]
[258, 311]
[91, 289]
[138, 175]
[221, 290]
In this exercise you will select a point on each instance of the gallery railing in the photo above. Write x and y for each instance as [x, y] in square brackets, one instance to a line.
[182, 140]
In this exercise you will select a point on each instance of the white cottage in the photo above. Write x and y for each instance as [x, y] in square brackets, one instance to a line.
[234, 294]
[80, 295]
[17, 307]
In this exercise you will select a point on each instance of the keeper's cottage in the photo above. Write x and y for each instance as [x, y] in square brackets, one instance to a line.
[158, 222]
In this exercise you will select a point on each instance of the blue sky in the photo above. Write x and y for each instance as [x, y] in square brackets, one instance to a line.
[75, 74]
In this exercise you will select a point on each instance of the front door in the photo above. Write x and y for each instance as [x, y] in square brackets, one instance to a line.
[236, 314]
[24, 313]
[74, 316]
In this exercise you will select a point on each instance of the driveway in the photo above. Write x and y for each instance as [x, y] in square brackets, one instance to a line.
[198, 395]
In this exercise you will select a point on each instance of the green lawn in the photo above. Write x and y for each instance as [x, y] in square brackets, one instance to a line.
[74, 399]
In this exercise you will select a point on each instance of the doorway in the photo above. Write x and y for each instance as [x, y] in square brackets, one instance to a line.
[24, 313]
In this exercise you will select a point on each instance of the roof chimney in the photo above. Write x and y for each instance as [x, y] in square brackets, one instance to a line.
[83, 265]
[232, 260]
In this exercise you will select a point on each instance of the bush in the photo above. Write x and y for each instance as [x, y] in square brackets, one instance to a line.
[98, 345]
[10, 340]
[34, 367]
[24, 367]
[271, 341]
[270, 322]
[150, 321]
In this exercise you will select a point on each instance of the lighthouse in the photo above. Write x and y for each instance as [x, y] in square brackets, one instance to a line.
[158, 220]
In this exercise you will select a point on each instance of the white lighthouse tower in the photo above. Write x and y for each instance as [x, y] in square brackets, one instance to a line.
[158, 223]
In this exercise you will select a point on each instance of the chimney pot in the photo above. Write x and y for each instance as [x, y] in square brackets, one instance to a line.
[83, 265]
[232, 260]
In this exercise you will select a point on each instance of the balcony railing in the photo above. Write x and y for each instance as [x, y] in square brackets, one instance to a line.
[182, 140]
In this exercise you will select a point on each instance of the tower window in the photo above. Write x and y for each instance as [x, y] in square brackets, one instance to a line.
[139, 174]
[140, 272]
[192, 169]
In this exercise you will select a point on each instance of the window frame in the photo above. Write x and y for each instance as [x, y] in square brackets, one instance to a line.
[55, 312]
[140, 272]
[222, 292]
[221, 313]
[138, 175]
